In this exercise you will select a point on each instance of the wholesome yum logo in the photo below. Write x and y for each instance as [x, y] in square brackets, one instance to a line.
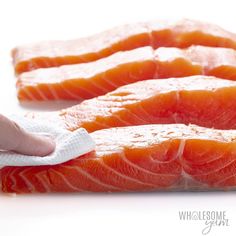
[210, 218]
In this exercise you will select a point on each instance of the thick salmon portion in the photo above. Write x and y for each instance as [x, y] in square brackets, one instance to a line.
[88, 80]
[138, 158]
[203, 100]
[181, 34]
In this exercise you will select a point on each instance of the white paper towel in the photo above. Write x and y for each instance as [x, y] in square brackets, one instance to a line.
[69, 145]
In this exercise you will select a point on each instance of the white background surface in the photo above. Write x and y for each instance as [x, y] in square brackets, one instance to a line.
[100, 214]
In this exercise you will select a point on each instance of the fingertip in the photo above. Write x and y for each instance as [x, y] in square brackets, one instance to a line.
[47, 146]
[36, 145]
[14, 138]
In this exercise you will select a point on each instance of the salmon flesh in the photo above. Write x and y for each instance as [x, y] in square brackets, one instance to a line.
[88, 80]
[138, 158]
[182, 33]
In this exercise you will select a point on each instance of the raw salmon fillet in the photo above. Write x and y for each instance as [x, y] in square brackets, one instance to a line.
[83, 81]
[203, 100]
[181, 34]
[138, 158]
